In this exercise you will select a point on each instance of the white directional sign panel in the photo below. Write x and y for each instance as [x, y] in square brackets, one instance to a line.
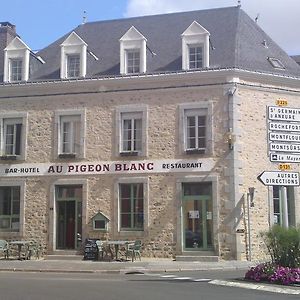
[278, 113]
[279, 178]
[280, 147]
[284, 157]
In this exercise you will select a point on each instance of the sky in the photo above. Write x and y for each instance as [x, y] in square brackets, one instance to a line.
[41, 22]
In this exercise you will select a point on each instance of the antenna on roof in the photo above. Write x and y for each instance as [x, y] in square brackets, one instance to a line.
[84, 17]
[256, 19]
[239, 3]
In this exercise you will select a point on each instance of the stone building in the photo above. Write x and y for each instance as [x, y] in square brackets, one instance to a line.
[153, 128]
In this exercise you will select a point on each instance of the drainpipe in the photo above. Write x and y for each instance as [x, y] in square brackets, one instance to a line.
[234, 195]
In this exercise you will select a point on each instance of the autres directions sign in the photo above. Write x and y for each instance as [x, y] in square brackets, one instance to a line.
[279, 178]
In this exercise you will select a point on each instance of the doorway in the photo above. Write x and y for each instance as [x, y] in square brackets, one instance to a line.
[197, 216]
[69, 217]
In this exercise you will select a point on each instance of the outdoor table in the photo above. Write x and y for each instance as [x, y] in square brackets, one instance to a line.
[118, 244]
[20, 245]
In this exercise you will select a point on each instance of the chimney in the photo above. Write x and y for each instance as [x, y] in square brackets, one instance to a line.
[7, 34]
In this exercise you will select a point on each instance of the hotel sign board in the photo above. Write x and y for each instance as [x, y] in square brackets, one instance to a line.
[279, 178]
[284, 134]
[107, 167]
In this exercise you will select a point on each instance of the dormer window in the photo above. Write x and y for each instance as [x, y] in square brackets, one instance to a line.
[195, 56]
[132, 52]
[133, 61]
[195, 47]
[16, 61]
[73, 65]
[73, 57]
[16, 69]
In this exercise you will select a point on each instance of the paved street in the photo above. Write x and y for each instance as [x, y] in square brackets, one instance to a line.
[149, 286]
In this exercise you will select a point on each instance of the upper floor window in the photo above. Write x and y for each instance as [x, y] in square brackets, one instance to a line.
[70, 133]
[13, 136]
[73, 65]
[10, 208]
[73, 57]
[132, 135]
[132, 52]
[195, 56]
[16, 61]
[131, 132]
[133, 61]
[16, 69]
[196, 128]
[195, 47]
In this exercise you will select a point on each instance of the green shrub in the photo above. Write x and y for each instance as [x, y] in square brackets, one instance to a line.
[283, 245]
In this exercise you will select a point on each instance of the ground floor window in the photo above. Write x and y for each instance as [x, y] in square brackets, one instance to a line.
[10, 208]
[131, 197]
[278, 206]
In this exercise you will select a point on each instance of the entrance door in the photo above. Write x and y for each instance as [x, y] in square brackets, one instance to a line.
[197, 216]
[69, 221]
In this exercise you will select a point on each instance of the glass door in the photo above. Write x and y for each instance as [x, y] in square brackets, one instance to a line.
[69, 217]
[197, 218]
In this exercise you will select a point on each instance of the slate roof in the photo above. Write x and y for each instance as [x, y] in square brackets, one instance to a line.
[236, 39]
[296, 58]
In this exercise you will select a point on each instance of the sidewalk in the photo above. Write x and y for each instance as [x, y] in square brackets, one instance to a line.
[145, 266]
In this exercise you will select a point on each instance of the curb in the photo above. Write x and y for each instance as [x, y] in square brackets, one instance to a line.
[255, 286]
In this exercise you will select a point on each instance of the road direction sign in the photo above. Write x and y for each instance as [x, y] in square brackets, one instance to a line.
[279, 178]
[280, 157]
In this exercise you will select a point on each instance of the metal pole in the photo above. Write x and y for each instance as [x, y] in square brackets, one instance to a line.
[283, 199]
[249, 228]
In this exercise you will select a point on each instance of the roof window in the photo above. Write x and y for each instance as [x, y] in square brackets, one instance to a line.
[276, 63]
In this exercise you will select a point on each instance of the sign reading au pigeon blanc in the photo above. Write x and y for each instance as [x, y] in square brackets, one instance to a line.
[284, 137]
[107, 167]
[279, 178]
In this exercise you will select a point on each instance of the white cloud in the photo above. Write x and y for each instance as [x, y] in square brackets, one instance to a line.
[279, 19]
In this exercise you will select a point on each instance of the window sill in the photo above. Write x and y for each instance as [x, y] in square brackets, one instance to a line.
[195, 151]
[67, 155]
[129, 153]
[8, 157]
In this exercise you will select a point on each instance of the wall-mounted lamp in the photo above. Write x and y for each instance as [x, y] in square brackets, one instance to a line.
[251, 195]
[230, 139]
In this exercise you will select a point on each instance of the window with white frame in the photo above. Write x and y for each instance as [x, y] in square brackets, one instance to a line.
[133, 61]
[131, 132]
[10, 208]
[131, 198]
[132, 52]
[195, 56]
[73, 65]
[195, 133]
[12, 137]
[278, 206]
[195, 47]
[16, 69]
[131, 124]
[70, 128]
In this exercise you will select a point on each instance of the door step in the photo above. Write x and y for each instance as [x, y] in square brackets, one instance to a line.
[202, 256]
[64, 255]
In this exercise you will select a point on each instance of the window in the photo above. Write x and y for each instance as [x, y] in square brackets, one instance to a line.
[276, 63]
[278, 209]
[70, 134]
[15, 70]
[131, 122]
[131, 197]
[196, 128]
[195, 57]
[73, 66]
[9, 208]
[195, 47]
[133, 61]
[132, 52]
[131, 132]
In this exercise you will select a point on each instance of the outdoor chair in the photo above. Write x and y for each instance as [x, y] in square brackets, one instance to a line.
[4, 248]
[34, 248]
[134, 250]
[103, 250]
